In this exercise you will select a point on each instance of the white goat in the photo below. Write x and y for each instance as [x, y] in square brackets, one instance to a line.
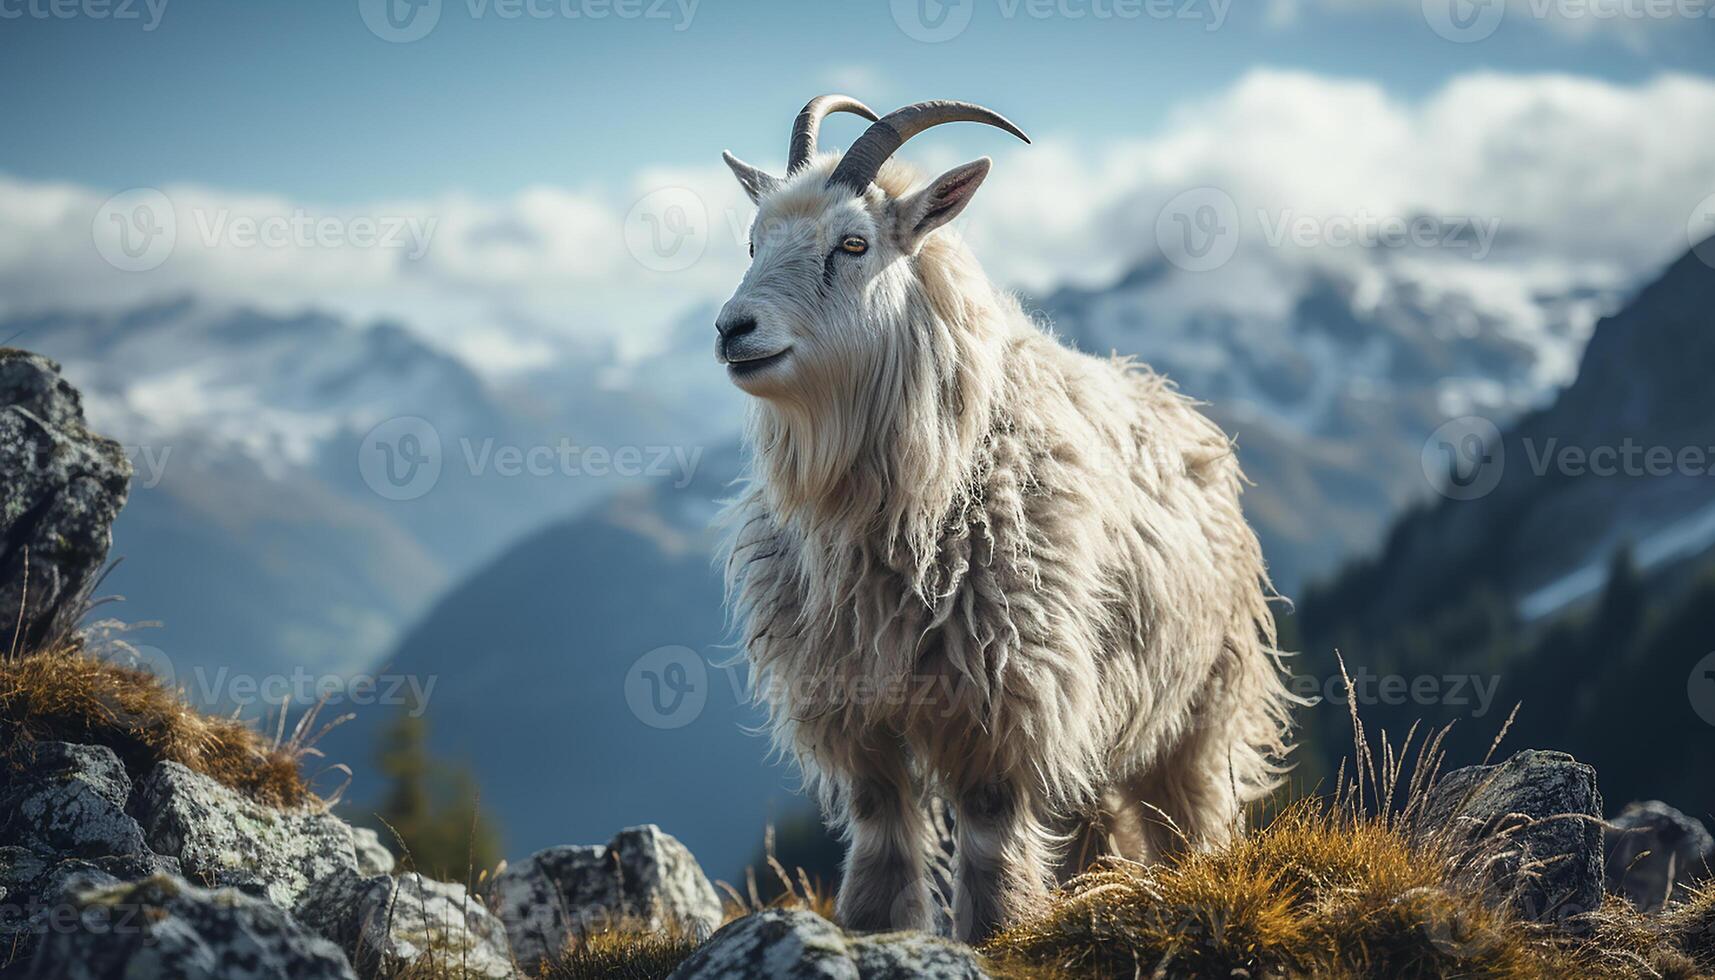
[970, 562]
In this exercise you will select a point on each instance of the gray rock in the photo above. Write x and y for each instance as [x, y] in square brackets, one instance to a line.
[221, 837]
[63, 487]
[386, 926]
[19, 866]
[19, 869]
[789, 943]
[165, 927]
[1539, 816]
[70, 800]
[643, 878]
[1654, 851]
[70, 878]
[373, 857]
[36, 889]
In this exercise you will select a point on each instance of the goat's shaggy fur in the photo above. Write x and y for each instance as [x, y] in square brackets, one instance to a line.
[984, 566]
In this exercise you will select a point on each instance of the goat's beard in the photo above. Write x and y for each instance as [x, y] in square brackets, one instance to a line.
[841, 410]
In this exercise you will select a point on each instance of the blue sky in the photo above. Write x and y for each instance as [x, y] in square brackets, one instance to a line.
[300, 98]
[528, 147]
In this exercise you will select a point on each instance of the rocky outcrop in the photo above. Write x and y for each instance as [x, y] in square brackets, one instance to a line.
[388, 926]
[644, 878]
[373, 857]
[63, 487]
[799, 944]
[1538, 820]
[227, 839]
[1654, 851]
[163, 927]
[70, 800]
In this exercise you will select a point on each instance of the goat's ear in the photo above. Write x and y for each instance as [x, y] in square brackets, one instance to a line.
[921, 213]
[755, 182]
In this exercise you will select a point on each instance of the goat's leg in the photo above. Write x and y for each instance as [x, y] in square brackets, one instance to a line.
[1188, 801]
[886, 882]
[1110, 828]
[1004, 858]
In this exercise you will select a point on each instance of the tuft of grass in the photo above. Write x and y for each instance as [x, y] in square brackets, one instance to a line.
[1315, 893]
[63, 695]
[626, 953]
[1341, 887]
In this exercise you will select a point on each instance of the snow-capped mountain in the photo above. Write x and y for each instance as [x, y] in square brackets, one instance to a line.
[305, 486]
[321, 481]
[1332, 380]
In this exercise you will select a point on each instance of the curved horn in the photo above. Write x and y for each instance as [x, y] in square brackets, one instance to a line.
[885, 136]
[810, 121]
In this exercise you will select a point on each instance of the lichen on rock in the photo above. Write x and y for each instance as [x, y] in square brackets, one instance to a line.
[216, 833]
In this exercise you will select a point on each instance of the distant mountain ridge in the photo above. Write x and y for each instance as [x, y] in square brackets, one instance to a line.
[1643, 382]
[253, 534]
[1330, 397]
[1571, 566]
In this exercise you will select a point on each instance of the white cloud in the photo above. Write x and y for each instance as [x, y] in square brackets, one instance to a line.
[543, 264]
[1587, 180]
[1576, 172]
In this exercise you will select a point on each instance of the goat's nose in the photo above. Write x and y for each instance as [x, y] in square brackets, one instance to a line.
[737, 327]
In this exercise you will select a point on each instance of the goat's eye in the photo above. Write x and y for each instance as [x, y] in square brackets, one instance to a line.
[853, 245]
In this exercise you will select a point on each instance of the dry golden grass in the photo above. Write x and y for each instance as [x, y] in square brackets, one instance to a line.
[1315, 893]
[62, 695]
[1691, 926]
[622, 954]
[1335, 888]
